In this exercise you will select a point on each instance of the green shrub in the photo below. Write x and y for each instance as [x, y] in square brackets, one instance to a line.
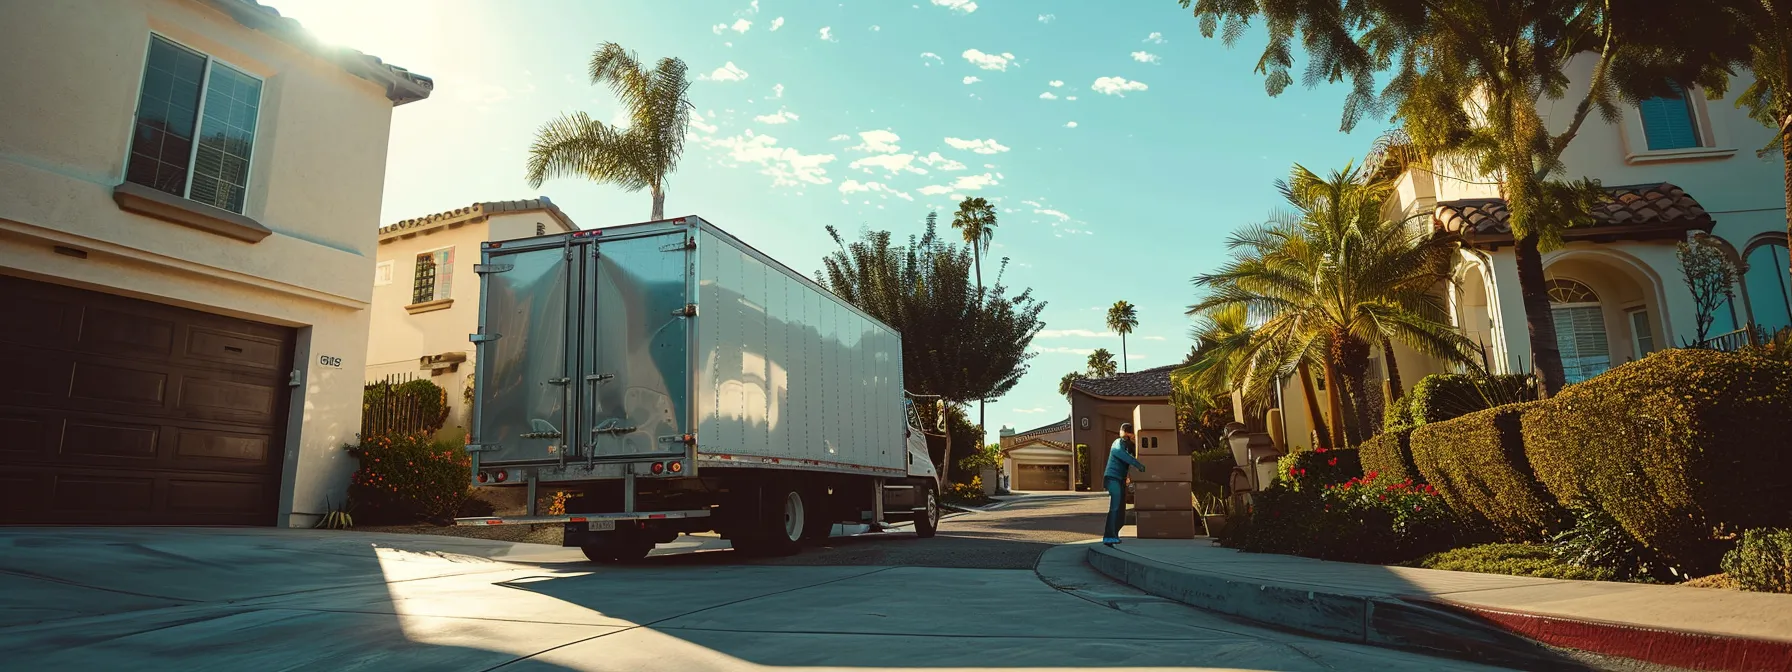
[1214, 465]
[1478, 462]
[1445, 396]
[407, 478]
[414, 405]
[1313, 469]
[1513, 559]
[1390, 454]
[1596, 540]
[1676, 447]
[1361, 520]
[1763, 561]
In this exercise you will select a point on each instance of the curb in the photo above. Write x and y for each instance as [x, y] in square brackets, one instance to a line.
[1374, 620]
[1675, 648]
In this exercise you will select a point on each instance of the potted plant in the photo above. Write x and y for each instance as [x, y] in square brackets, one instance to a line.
[1213, 514]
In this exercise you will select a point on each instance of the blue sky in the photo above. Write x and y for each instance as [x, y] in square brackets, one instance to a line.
[1119, 145]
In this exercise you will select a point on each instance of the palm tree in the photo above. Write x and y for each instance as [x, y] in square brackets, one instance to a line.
[1123, 318]
[1068, 380]
[976, 219]
[1101, 363]
[1765, 27]
[1322, 285]
[638, 157]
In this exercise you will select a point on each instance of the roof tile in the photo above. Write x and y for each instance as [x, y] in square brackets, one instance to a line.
[1634, 205]
[1148, 383]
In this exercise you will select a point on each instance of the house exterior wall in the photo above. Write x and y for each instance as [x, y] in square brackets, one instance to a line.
[74, 70]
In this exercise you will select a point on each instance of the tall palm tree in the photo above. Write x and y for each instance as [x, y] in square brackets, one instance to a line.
[1101, 363]
[638, 157]
[1123, 318]
[1330, 280]
[976, 219]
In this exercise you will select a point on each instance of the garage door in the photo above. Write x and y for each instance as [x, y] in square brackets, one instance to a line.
[119, 411]
[1043, 476]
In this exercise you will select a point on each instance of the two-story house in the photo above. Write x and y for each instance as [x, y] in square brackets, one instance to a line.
[1673, 167]
[189, 197]
[426, 296]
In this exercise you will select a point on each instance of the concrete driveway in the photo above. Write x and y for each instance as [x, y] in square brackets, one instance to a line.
[266, 599]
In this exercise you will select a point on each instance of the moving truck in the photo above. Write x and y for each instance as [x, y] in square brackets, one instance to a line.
[672, 379]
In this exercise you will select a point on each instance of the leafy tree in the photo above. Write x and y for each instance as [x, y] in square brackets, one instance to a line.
[1101, 364]
[1710, 275]
[1068, 380]
[957, 342]
[1467, 80]
[1123, 318]
[640, 156]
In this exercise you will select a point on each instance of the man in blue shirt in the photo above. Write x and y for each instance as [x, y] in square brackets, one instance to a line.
[1119, 460]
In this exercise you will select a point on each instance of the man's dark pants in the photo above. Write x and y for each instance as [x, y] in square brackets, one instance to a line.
[1116, 508]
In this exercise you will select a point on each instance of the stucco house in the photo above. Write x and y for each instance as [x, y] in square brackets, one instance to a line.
[1039, 459]
[426, 294]
[1673, 168]
[189, 193]
[1098, 406]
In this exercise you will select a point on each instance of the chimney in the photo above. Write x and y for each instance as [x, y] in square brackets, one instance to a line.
[1007, 431]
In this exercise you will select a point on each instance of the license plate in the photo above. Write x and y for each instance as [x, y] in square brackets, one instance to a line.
[600, 525]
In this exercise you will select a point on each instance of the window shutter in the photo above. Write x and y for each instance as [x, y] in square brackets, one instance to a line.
[1668, 122]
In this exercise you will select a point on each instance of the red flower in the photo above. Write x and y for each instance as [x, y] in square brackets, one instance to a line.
[1320, 449]
[1332, 462]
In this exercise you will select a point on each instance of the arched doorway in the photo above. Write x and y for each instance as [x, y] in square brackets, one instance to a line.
[1580, 329]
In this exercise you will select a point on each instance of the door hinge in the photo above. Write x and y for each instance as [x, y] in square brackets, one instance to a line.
[688, 244]
[483, 338]
[296, 379]
[483, 269]
[689, 310]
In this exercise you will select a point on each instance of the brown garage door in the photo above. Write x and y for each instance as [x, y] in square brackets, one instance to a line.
[1043, 476]
[119, 411]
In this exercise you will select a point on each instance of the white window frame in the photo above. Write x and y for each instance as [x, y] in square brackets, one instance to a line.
[205, 83]
[382, 273]
[1713, 141]
[1636, 341]
[435, 292]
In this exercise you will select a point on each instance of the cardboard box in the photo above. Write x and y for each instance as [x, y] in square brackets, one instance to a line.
[1153, 416]
[1165, 468]
[1168, 525]
[1157, 442]
[1163, 495]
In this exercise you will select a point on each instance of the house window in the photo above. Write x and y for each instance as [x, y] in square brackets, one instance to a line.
[195, 127]
[1580, 329]
[1768, 294]
[382, 274]
[434, 277]
[1669, 122]
[1642, 338]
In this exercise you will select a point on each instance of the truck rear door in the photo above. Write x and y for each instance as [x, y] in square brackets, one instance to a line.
[525, 353]
[634, 359]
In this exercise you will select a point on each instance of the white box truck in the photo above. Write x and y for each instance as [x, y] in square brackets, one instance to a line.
[675, 380]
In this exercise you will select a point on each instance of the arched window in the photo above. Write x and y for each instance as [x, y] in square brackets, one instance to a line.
[1768, 293]
[1580, 329]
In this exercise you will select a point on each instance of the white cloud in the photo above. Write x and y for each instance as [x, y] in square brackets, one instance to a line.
[989, 146]
[1035, 204]
[1048, 18]
[1146, 57]
[827, 34]
[929, 58]
[1051, 213]
[1070, 124]
[881, 140]
[1048, 96]
[855, 186]
[753, 7]
[1070, 97]
[777, 23]
[962, 6]
[727, 73]
[1155, 338]
[1117, 86]
[1056, 83]
[1075, 333]
[988, 61]
[777, 90]
[972, 80]
[1156, 38]
[935, 160]
[1029, 410]
[840, 137]
[741, 25]
[698, 123]
[876, 28]
[965, 183]
[782, 116]
[787, 166]
[894, 163]
[718, 28]
[1064, 351]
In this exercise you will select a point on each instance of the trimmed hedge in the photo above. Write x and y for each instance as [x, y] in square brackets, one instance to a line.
[1513, 559]
[1390, 454]
[1477, 462]
[1446, 396]
[1674, 446]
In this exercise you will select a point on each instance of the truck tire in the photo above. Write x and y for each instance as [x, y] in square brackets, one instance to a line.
[780, 526]
[613, 548]
[928, 522]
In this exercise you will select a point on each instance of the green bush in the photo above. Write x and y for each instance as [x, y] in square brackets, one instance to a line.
[1214, 465]
[1513, 559]
[1317, 468]
[1390, 454]
[408, 478]
[1445, 396]
[1478, 462]
[414, 405]
[1596, 540]
[1676, 447]
[1364, 519]
[1763, 561]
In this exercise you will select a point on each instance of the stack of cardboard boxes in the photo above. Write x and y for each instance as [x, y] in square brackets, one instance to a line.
[1163, 496]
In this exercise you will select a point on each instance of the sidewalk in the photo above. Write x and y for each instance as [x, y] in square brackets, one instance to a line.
[1463, 613]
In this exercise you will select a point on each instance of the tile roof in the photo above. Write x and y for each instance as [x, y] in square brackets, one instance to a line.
[1147, 383]
[402, 86]
[1059, 426]
[479, 209]
[1659, 205]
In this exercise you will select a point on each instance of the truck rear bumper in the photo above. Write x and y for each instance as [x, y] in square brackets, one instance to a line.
[581, 518]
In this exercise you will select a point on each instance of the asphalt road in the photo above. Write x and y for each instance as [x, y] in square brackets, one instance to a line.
[267, 599]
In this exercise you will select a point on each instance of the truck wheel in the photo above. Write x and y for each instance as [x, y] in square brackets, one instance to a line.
[613, 549]
[928, 522]
[779, 530]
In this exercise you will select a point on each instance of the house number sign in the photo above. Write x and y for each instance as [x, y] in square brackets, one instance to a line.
[329, 361]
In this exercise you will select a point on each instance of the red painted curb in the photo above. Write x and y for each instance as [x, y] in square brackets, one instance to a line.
[1676, 648]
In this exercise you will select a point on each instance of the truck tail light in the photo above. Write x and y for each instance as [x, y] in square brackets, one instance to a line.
[503, 476]
[659, 467]
[676, 467]
[482, 477]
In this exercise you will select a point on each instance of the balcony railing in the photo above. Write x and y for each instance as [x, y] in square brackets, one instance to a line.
[1732, 341]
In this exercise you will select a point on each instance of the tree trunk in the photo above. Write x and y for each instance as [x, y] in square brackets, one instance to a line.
[1546, 358]
[1315, 419]
[1396, 387]
[1353, 365]
[659, 204]
[1786, 153]
[977, 259]
[1123, 366]
[1334, 397]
